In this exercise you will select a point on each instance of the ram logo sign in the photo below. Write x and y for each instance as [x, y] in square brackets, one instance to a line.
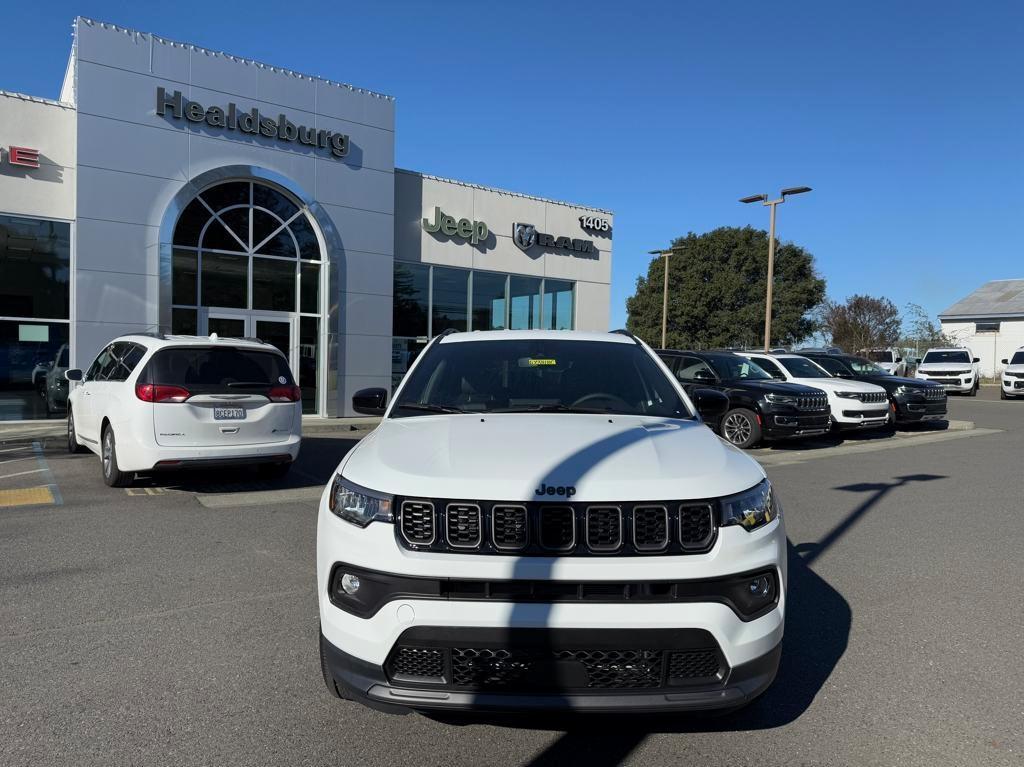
[526, 236]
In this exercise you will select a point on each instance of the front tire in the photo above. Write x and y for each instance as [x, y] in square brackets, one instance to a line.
[112, 475]
[974, 391]
[1002, 393]
[741, 427]
[73, 446]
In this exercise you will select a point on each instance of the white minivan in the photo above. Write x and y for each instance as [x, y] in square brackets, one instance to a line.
[164, 402]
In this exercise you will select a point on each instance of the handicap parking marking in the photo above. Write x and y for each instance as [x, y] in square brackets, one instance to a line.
[27, 496]
[145, 491]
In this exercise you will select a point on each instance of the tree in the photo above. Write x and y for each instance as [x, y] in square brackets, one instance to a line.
[920, 333]
[716, 292]
[862, 322]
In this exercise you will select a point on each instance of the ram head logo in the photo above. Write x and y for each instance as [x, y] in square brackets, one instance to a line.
[524, 235]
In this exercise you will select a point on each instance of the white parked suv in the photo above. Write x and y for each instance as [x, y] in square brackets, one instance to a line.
[955, 368]
[541, 521]
[854, 404]
[155, 402]
[1013, 376]
[890, 360]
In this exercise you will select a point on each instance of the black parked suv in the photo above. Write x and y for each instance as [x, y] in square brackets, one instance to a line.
[759, 406]
[911, 400]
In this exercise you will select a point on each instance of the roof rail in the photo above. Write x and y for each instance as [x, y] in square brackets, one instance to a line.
[624, 332]
[446, 332]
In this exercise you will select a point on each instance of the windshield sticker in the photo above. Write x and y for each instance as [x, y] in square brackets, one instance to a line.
[540, 363]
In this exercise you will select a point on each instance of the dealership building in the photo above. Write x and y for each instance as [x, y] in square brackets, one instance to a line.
[174, 189]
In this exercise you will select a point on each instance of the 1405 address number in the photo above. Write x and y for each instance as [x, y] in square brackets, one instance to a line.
[595, 224]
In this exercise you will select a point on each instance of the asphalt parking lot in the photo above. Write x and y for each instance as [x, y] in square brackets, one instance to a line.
[175, 622]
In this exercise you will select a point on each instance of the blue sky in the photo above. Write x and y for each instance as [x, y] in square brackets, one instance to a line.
[907, 118]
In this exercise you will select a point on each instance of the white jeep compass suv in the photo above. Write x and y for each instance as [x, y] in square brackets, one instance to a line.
[854, 404]
[1012, 379]
[541, 521]
[155, 402]
[955, 368]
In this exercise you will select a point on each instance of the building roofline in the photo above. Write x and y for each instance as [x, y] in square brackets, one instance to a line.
[981, 315]
[502, 191]
[36, 99]
[241, 59]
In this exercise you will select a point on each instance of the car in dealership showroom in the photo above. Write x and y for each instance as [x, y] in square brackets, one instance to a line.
[759, 406]
[541, 521]
[911, 400]
[1012, 379]
[854, 404]
[955, 368]
[169, 402]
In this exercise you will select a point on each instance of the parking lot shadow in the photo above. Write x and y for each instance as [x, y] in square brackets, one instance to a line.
[314, 467]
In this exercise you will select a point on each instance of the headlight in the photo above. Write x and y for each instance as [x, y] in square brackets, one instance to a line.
[848, 394]
[359, 505]
[780, 399]
[907, 391]
[752, 509]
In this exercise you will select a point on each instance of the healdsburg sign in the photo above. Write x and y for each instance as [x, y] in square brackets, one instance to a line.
[249, 121]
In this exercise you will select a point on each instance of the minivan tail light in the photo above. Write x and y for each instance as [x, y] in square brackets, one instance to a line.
[290, 393]
[161, 393]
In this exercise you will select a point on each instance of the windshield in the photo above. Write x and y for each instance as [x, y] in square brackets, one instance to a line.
[879, 356]
[1017, 358]
[865, 367]
[538, 375]
[932, 358]
[801, 367]
[732, 367]
[834, 365]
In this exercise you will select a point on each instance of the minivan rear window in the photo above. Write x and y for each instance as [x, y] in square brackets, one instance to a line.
[202, 369]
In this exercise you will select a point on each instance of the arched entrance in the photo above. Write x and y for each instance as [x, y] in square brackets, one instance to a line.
[246, 261]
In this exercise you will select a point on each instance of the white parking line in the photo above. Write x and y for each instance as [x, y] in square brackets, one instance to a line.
[21, 473]
[15, 460]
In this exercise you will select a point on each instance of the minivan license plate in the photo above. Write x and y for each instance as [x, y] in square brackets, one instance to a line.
[228, 413]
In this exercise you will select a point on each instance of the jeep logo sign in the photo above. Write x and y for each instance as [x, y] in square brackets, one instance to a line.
[474, 231]
[567, 491]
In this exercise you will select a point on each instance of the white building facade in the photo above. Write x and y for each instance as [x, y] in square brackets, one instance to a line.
[989, 321]
[177, 189]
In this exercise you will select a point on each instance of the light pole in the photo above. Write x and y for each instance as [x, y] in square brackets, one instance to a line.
[664, 293]
[763, 199]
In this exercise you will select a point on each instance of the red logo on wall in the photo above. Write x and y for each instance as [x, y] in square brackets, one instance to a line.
[23, 156]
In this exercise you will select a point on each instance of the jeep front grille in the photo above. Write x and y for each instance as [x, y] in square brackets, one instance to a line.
[812, 402]
[934, 393]
[873, 396]
[539, 529]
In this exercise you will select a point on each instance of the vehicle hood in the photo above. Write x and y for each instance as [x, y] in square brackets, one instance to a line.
[944, 367]
[892, 383]
[508, 456]
[773, 387]
[839, 384]
[1014, 369]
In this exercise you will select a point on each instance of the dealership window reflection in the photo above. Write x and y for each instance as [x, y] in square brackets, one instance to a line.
[35, 258]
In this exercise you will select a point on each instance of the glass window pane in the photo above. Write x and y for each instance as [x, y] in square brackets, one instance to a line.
[225, 195]
[273, 284]
[451, 299]
[310, 288]
[263, 225]
[184, 270]
[558, 309]
[309, 248]
[190, 223]
[281, 244]
[237, 220]
[524, 303]
[404, 351]
[217, 237]
[489, 301]
[309, 346]
[225, 280]
[34, 264]
[274, 201]
[32, 381]
[183, 322]
[226, 327]
[410, 300]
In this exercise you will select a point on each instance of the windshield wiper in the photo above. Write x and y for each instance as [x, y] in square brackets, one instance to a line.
[429, 408]
[559, 408]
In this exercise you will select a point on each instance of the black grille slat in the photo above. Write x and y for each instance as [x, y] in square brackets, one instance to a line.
[418, 524]
[490, 668]
[812, 402]
[418, 662]
[696, 525]
[463, 525]
[510, 527]
[557, 528]
[604, 528]
[650, 528]
[693, 664]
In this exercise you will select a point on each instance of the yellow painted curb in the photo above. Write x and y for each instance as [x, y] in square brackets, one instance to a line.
[26, 496]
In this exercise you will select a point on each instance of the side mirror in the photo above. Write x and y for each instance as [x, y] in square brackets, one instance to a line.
[842, 374]
[73, 374]
[976, 359]
[370, 401]
[710, 403]
[704, 375]
[1005, 361]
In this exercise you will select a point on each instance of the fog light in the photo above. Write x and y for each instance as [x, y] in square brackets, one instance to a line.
[350, 583]
[760, 587]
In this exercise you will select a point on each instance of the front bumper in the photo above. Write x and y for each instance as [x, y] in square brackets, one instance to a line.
[1013, 387]
[362, 646]
[370, 685]
[786, 424]
[854, 414]
[956, 384]
[919, 412]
